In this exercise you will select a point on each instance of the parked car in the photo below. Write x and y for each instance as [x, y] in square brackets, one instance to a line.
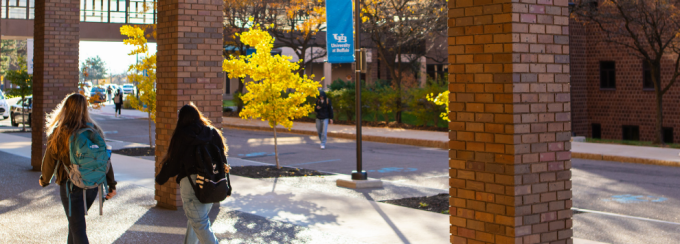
[4, 107]
[99, 93]
[85, 91]
[129, 89]
[21, 112]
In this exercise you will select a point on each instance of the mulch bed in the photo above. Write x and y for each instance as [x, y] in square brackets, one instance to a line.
[272, 172]
[136, 151]
[380, 124]
[438, 203]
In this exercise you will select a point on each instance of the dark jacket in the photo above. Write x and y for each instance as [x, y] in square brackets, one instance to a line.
[323, 107]
[182, 161]
[50, 162]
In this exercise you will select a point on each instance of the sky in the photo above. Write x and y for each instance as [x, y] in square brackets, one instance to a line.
[114, 54]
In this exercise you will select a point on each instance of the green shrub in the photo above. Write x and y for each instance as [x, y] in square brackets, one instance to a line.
[343, 102]
[127, 104]
[341, 84]
[424, 110]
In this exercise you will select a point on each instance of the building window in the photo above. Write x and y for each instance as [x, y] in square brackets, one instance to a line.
[597, 131]
[647, 76]
[668, 134]
[631, 132]
[607, 74]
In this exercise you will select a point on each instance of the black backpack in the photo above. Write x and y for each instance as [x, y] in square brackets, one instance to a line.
[212, 182]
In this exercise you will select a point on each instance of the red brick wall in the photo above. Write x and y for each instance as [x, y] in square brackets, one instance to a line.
[55, 72]
[629, 103]
[189, 70]
[579, 89]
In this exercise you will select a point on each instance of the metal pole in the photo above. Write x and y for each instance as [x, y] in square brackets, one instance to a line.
[359, 174]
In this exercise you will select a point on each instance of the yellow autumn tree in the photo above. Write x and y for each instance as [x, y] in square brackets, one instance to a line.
[144, 72]
[441, 99]
[277, 94]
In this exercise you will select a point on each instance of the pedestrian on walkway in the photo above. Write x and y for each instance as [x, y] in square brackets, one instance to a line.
[192, 130]
[118, 102]
[70, 116]
[109, 90]
[324, 116]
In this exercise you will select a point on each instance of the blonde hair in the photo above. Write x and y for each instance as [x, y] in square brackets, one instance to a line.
[70, 115]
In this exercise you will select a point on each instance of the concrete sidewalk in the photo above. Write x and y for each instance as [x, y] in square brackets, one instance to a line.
[283, 210]
[596, 151]
[109, 110]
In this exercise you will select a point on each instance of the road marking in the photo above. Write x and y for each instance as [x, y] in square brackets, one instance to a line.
[628, 198]
[316, 162]
[111, 132]
[624, 216]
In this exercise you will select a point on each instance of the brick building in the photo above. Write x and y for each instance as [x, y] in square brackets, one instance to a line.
[610, 98]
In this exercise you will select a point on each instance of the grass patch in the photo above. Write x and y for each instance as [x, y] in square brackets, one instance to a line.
[228, 103]
[632, 143]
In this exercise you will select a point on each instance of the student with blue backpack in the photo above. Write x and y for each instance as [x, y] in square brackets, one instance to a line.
[78, 157]
[197, 156]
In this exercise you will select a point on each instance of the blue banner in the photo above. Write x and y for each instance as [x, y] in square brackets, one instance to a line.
[339, 31]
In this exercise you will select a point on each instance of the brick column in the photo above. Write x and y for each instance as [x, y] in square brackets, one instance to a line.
[510, 130]
[189, 70]
[55, 73]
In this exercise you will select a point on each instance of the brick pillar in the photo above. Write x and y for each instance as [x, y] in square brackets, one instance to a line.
[55, 73]
[189, 70]
[510, 130]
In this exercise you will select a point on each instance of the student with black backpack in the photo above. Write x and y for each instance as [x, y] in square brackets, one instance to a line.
[197, 156]
[79, 177]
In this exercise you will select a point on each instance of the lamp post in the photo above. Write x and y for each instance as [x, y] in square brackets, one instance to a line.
[359, 174]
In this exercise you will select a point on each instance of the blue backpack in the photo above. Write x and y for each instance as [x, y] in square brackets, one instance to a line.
[89, 164]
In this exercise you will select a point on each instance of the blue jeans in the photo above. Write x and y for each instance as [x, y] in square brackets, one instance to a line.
[198, 223]
[77, 233]
[322, 130]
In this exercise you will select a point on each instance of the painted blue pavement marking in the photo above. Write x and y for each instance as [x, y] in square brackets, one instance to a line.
[256, 154]
[393, 169]
[628, 198]
[324, 161]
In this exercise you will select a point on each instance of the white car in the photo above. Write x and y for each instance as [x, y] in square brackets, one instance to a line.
[4, 107]
[129, 89]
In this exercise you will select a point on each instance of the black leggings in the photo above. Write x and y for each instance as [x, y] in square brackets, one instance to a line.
[118, 106]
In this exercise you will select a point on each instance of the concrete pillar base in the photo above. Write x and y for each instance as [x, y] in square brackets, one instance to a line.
[359, 184]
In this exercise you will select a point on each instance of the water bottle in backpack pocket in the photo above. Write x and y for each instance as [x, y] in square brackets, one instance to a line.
[90, 161]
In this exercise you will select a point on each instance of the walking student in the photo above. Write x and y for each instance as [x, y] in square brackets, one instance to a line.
[118, 102]
[193, 132]
[109, 90]
[68, 118]
[324, 116]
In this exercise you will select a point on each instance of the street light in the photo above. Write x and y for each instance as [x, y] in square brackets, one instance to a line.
[359, 174]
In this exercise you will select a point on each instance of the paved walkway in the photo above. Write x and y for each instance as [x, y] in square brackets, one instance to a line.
[285, 210]
[598, 151]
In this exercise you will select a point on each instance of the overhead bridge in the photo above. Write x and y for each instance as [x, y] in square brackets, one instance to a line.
[100, 20]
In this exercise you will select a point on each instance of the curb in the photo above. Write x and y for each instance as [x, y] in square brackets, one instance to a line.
[445, 145]
[383, 139]
[593, 156]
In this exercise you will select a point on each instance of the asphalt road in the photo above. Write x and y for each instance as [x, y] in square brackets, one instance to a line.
[615, 202]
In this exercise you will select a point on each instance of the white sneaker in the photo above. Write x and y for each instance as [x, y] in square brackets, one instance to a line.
[323, 147]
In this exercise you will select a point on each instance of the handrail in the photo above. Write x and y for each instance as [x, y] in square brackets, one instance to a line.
[100, 11]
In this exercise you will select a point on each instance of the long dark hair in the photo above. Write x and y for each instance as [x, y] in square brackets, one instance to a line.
[189, 115]
[69, 116]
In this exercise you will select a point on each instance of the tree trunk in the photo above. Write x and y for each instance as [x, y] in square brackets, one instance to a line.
[659, 119]
[276, 150]
[241, 85]
[23, 114]
[150, 140]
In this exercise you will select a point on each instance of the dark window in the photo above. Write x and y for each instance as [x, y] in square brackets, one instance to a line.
[647, 76]
[597, 131]
[608, 74]
[668, 135]
[631, 132]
